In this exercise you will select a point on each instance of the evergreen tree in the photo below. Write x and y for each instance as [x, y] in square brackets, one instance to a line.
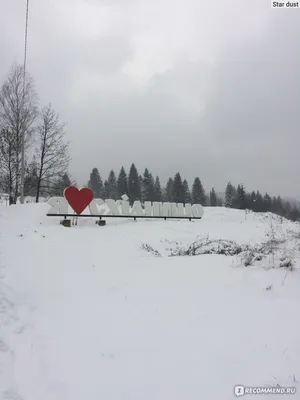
[178, 189]
[157, 189]
[219, 202]
[274, 205]
[240, 198]
[106, 190]
[187, 193]
[277, 206]
[295, 214]
[287, 210]
[248, 201]
[252, 201]
[213, 198]
[59, 185]
[148, 187]
[141, 184]
[134, 188]
[229, 195]
[168, 192]
[198, 193]
[111, 189]
[151, 188]
[122, 186]
[280, 206]
[267, 202]
[66, 180]
[259, 203]
[96, 184]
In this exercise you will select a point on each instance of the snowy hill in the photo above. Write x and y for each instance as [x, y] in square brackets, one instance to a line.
[147, 310]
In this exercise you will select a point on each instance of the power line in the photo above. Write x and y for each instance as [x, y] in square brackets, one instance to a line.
[23, 128]
[26, 34]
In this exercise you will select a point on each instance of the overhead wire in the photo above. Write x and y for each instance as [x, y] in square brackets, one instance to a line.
[24, 127]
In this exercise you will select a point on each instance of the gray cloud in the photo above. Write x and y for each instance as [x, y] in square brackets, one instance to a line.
[253, 115]
[210, 89]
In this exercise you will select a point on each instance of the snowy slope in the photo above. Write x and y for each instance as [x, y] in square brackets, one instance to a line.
[93, 312]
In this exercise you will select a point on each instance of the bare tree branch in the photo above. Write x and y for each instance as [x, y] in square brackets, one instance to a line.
[53, 150]
[18, 111]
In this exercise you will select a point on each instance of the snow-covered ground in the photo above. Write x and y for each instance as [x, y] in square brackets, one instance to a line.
[118, 313]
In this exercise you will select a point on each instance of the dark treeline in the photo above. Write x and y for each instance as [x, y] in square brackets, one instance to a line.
[146, 187]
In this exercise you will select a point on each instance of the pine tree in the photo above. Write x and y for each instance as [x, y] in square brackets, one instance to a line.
[274, 205]
[219, 202]
[248, 201]
[60, 184]
[112, 189]
[122, 186]
[267, 202]
[187, 193]
[106, 190]
[96, 184]
[168, 192]
[252, 201]
[157, 189]
[140, 183]
[280, 206]
[145, 186]
[151, 188]
[178, 189]
[229, 195]
[240, 198]
[213, 198]
[295, 214]
[259, 203]
[148, 189]
[287, 210]
[134, 188]
[198, 193]
[66, 180]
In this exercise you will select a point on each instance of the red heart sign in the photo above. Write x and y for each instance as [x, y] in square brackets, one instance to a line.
[78, 199]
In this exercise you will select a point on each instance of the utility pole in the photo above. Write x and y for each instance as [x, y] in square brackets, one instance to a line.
[24, 127]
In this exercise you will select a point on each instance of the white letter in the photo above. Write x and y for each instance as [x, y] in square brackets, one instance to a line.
[180, 210]
[59, 205]
[94, 210]
[157, 208]
[166, 210]
[112, 207]
[118, 204]
[125, 205]
[173, 209]
[197, 211]
[137, 209]
[188, 210]
[148, 208]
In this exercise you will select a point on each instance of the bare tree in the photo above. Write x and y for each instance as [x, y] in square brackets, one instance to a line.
[52, 152]
[18, 111]
[7, 162]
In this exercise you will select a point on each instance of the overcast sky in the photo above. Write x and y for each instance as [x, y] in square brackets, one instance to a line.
[207, 88]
